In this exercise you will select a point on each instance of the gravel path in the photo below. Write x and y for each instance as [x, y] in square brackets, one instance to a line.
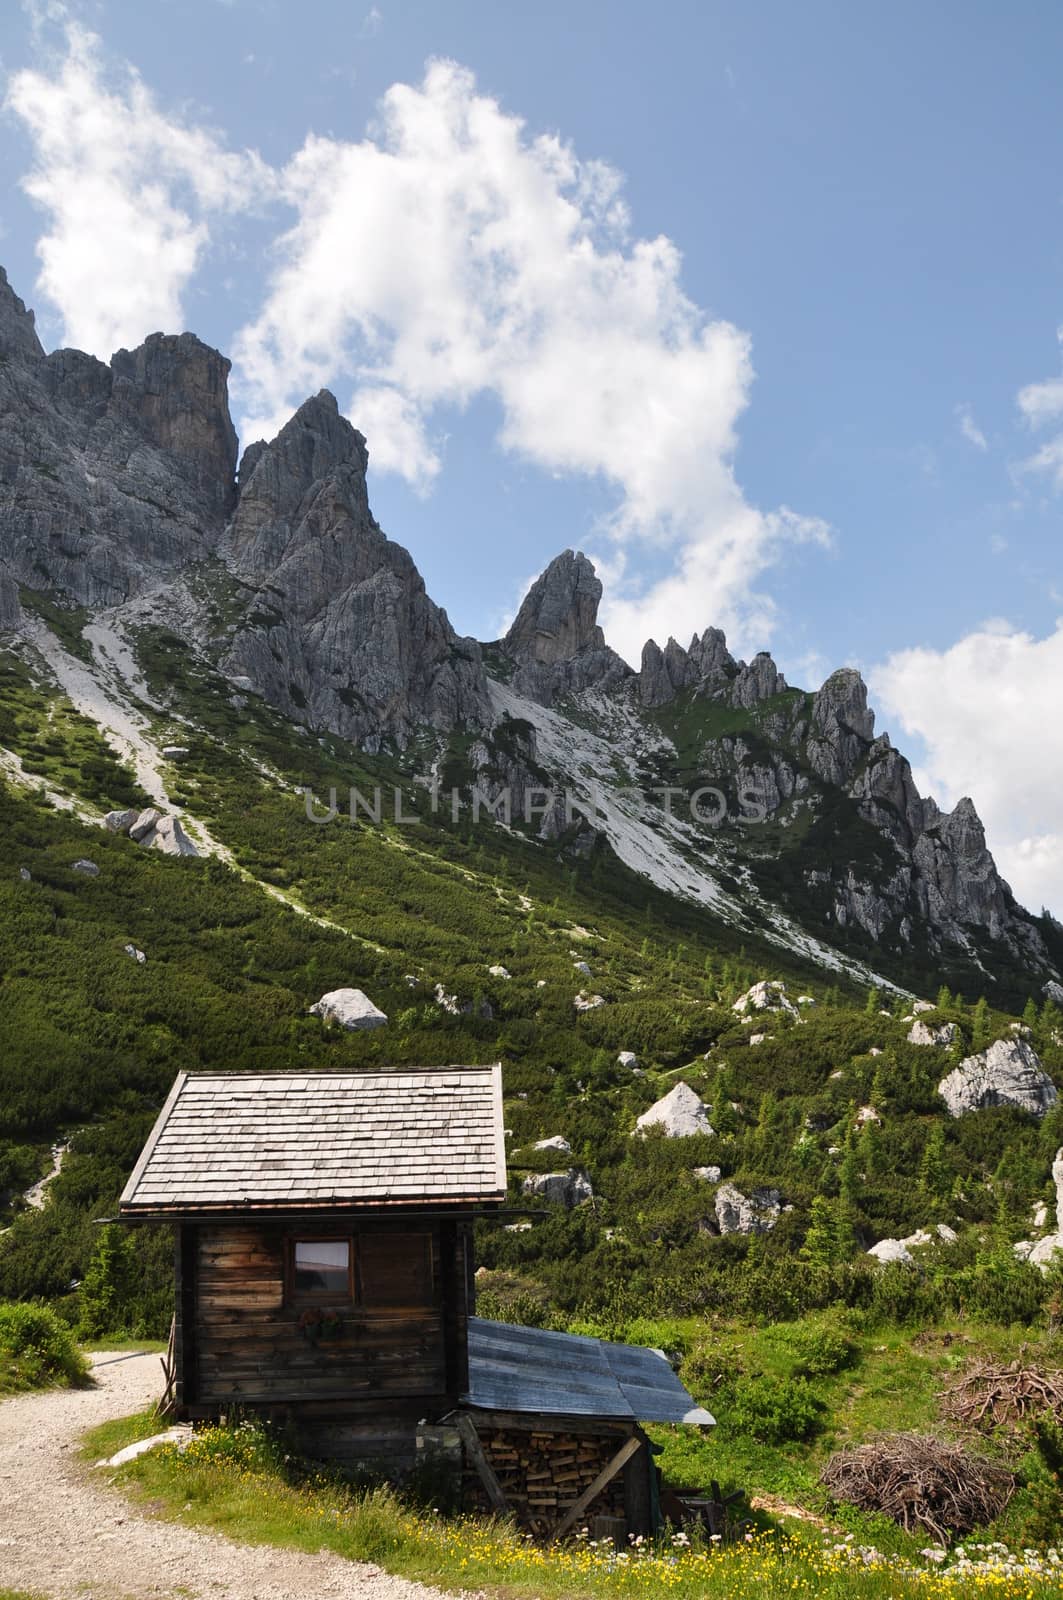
[64, 1533]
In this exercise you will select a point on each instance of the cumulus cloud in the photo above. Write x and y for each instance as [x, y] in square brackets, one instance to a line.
[449, 256]
[128, 192]
[987, 710]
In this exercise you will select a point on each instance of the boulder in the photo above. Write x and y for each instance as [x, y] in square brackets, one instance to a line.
[144, 824]
[120, 821]
[1009, 1073]
[170, 838]
[174, 752]
[679, 1114]
[942, 1036]
[707, 1174]
[137, 955]
[1053, 991]
[350, 1008]
[557, 1141]
[737, 1213]
[581, 966]
[923, 1005]
[587, 1002]
[627, 1058]
[890, 1250]
[499, 972]
[766, 996]
[569, 1188]
[25, 875]
[89, 868]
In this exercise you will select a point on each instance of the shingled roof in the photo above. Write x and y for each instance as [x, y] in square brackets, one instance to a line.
[322, 1140]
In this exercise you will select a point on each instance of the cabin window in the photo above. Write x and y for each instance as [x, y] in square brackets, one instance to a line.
[395, 1271]
[322, 1269]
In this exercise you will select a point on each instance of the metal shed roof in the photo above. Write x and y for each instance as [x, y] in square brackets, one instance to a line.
[298, 1141]
[567, 1375]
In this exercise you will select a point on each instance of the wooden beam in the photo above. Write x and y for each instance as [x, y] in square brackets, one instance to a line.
[471, 1441]
[590, 1494]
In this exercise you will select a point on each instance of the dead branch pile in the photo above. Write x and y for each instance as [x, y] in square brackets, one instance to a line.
[989, 1395]
[920, 1482]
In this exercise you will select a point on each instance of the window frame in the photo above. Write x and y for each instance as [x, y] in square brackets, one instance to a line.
[320, 1297]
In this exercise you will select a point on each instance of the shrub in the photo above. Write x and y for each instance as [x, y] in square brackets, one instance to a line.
[36, 1349]
[820, 1347]
[774, 1410]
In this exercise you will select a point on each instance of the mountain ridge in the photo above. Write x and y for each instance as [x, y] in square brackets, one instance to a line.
[120, 483]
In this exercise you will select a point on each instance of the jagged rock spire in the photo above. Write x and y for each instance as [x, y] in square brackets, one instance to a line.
[555, 639]
[18, 333]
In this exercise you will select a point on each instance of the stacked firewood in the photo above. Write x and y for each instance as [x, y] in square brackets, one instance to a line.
[541, 1474]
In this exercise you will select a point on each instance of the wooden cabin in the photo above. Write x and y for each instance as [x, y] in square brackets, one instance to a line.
[325, 1280]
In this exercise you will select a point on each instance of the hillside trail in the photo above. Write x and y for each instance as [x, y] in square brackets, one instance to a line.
[65, 1533]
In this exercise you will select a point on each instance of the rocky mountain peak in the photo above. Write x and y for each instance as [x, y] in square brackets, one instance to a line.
[710, 669]
[18, 332]
[558, 617]
[555, 639]
[842, 726]
[173, 389]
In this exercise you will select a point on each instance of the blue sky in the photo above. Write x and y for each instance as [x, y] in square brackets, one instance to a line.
[825, 412]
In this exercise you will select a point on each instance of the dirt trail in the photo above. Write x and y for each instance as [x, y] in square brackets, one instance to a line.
[64, 1533]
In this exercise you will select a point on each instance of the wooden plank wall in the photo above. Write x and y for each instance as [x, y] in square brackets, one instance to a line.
[249, 1348]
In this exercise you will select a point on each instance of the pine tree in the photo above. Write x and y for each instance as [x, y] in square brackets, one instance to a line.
[944, 999]
[934, 1175]
[872, 1003]
[107, 1288]
[980, 1024]
[820, 1240]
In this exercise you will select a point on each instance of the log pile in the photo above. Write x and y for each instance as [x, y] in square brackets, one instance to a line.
[920, 1482]
[542, 1473]
[990, 1395]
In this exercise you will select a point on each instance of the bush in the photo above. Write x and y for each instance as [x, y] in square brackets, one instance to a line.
[774, 1410]
[819, 1348]
[37, 1349]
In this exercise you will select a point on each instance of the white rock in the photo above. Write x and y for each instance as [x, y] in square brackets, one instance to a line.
[581, 966]
[680, 1113]
[411, 980]
[1009, 1073]
[171, 839]
[516, 1227]
[1023, 1249]
[737, 1213]
[757, 1038]
[1053, 991]
[138, 955]
[556, 1142]
[540, 983]
[874, 1051]
[806, 1000]
[179, 1436]
[498, 972]
[888, 1250]
[923, 1005]
[1043, 1252]
[627, 1058]
[350, 1008]
[766, 996]
[707, 1174]
[174, 752]
[120, 821]
[569, 1188]
[587, 1002]
[865, 1115]
[1040, 1215]
[838, 1074]
[25, 875]
[89, 868]
[144, 823]
[449, 1002]
[944, 1034]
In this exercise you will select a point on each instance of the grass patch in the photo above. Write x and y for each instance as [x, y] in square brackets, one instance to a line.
[236, 1481]
[104, 1441]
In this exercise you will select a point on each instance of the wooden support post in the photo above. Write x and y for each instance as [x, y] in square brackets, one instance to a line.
[471, 1441]
[589, 1495]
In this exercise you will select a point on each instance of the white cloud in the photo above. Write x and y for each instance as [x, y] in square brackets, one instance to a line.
[128, 192]
[1042, 404]
[987, 710]
[970, 429]
[451, 255]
